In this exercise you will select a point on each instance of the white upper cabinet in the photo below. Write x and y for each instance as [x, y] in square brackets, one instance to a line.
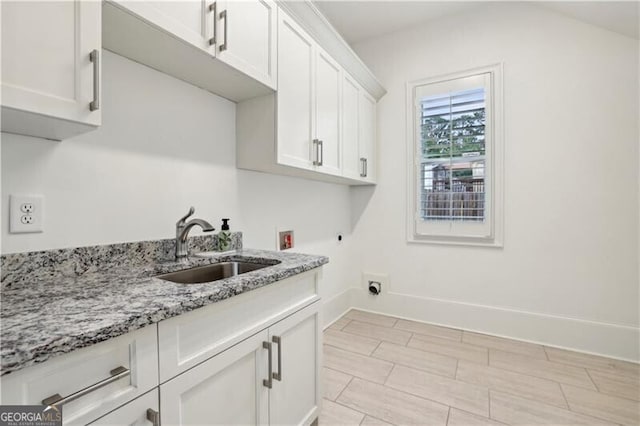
[246, 37]
[319, 125]
[327, 114]
[352, 166]
[295, 95]
[184, 18]
[51, 68]
[367, 137]
[226, 47]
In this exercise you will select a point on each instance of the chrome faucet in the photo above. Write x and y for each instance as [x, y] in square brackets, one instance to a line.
[182, 232]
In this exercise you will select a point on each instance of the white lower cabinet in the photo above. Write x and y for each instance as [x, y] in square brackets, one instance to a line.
[225, 390]
[92, 381]
[253, 359]
[296, 343]
[270, 378]
[142, 411]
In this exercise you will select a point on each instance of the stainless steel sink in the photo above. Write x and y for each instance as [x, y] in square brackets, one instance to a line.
[217, 271]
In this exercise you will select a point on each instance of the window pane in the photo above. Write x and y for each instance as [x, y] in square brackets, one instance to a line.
[452, 170]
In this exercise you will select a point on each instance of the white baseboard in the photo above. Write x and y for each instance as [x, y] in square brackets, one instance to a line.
[610, 340]
[336, 307]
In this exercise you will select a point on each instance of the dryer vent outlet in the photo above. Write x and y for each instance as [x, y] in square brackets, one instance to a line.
[375, 287]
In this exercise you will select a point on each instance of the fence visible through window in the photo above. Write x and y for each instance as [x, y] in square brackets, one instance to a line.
[452, 178]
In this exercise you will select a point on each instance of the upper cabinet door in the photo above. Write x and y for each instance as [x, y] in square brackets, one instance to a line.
[351, 164]
[327, 113]
[295, 396]
[189, 20]
[46, 64]
[367, 136]
[246, 37]
[295, 95]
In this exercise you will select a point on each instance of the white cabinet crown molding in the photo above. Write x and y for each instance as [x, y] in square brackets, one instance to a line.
[317, 25]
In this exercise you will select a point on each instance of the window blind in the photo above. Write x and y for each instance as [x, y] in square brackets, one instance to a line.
[452, 165]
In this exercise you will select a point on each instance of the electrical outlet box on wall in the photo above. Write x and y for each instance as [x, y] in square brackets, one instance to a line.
[383, 279]
[284, 238]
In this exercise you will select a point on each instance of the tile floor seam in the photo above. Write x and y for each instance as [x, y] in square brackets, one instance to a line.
[592, 415]
[350, 351]
[475, 345]
[389, 375]
[447, 355]
[352, 409]
[340, 394]
[375, 349]
[448, 415]
[416, 368]
[429, 399]
[433, 401]
[510, 393]
[593, 381]
[539, 377]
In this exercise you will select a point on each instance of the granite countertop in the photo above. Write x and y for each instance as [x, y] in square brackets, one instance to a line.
[56, 314]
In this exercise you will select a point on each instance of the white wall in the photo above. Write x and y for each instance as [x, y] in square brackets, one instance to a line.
[570, 259]
[165, 145]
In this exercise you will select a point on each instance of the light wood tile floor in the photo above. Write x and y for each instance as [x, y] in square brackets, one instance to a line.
[380, 370]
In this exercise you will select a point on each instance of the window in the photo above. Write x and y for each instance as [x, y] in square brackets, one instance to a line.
[455, 156]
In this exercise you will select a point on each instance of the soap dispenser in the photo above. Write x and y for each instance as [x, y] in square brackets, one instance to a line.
[224, 237]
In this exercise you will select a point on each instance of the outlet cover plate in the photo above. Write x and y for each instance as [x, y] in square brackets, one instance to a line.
[383, 279]
[26, 213]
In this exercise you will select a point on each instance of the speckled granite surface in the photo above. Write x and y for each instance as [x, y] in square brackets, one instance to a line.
[47, 311]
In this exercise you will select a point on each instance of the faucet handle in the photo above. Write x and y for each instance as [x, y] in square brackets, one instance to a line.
[185, 217]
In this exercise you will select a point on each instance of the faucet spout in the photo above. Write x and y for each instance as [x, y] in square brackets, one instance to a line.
[182, 232]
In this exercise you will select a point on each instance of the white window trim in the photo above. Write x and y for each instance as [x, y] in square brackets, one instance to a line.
[495, 234]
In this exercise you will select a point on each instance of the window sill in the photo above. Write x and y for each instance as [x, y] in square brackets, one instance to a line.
[455, 241]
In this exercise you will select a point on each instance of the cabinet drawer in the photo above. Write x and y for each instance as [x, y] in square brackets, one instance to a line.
[189, 339]
[134, 413]
[74, 372]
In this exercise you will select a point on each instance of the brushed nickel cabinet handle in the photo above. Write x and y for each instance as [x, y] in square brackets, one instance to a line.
[363, 162]
[94, 57]
[116, 374]
[223, 15]
[316, 153]
[153, 416]
[278, 341]
[268, 382]
[321, 155]
[366, 167]
[213, 7]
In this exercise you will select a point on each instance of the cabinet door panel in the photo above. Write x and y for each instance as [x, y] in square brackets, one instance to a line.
[328, 75]
[185, 19]
[295, 89]
[226, 390]
[45, 58]
[133, 413]
[295, 399]
[367, 143]
[350, 128]
[246, 37]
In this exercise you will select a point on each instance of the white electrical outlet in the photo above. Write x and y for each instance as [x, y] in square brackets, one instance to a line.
[25, 213]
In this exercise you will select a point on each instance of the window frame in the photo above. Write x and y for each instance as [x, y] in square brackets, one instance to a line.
[487, 233]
